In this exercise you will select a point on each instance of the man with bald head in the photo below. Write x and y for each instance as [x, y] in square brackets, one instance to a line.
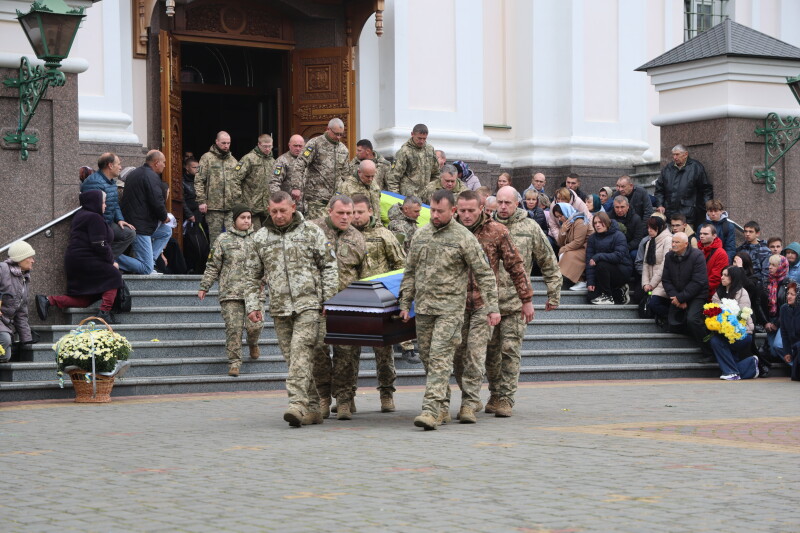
[283, 176]
[216, 185]
[321, 166]
[363, 183]
[365, 152]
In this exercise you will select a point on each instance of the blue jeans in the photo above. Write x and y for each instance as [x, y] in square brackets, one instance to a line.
[726, 354]
[160, 238]
[143, 262]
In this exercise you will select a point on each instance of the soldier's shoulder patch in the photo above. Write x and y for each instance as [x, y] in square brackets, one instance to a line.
[331, 251]
[307, 151]
[278, 169]
[239, 166]
[392, 164]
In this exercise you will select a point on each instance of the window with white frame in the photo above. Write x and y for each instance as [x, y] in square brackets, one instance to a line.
[702, 15]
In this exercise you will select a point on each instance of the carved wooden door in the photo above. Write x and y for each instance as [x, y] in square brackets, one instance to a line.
[171, 125]
[322, 89]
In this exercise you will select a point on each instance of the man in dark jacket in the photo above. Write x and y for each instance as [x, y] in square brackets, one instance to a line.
[683, 187]
[191, 209]
[143, 206]
[637, 197]
[105, 180]
[634, 227]
[757, 249]
[686, 283]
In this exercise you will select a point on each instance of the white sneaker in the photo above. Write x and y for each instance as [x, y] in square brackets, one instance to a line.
[580, 286]
[155, 272]
[730, 377]
[603, 299]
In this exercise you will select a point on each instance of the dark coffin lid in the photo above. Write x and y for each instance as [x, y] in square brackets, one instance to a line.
[372, 294]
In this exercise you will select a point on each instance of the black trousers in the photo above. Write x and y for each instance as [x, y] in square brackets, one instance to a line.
[607, 280]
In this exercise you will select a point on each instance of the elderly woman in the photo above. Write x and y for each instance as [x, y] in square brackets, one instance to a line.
[14, 279]
[608, 263]
[734, 360]
[790, 330]
[773, 296]
[575, 230]
[89, 263]
[534, 211]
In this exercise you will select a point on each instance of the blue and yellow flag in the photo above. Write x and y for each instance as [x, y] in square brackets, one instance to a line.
[391, 280]
[388, 199]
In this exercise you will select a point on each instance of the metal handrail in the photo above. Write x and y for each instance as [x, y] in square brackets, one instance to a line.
[40, 229]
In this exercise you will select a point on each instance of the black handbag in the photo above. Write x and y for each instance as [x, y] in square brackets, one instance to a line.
[123, 302]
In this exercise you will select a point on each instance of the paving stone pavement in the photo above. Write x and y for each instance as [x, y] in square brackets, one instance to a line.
[654, 455]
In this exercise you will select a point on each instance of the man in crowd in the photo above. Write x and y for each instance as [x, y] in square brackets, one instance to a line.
[338, 376]
[635, 229]
[415, 164]
[143, 206]
[683, 187]
[191, 211]
[436, 281]
[448, 179]
[573, 183]
[215, 185]
[365, 152]
[637, 197]
[775, 245]
[716, 258]
[718, 217]
[253, 174]
[537, 184]
[503, 352]
[441, 158]
[757, 249]
[384, 254]
[284, 178]
[363, 183]
[322, 164]
[470, 355]
[109, 168]
[677, 224]
[294, 258]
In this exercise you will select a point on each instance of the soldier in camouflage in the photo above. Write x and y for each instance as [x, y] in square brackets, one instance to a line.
[384, 254]
[435, 280]
[283, 176]
[448, 179]
[215, 185]
[503, 352]
[363, 183]
[253, 174]
[299, 267]
[364, 152]
[230, 251]
[470, 356]
[350, 248]
[322, 164]
[415, 165]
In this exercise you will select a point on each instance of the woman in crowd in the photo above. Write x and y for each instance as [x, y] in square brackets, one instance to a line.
[656, 249]
[225, 262]
[593, 204]
[15, 276]
[729, 354]
[753, 287]
[566, 196]
[89, 263]
[609, 265]
[604, 194]
[790, 330]
[575, 230]
[773, 296]
[503, 180]
[534, 211]
[792, 254]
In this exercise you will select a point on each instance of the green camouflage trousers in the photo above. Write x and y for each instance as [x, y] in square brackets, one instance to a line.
[384, 366]
[215, 220]
[503, 356]
[438, 337]
[470, 357]
[298, 336]
[235, 317]
[338, 375]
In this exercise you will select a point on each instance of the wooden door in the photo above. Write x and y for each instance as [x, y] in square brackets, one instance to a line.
[171, 125]
[323, 88]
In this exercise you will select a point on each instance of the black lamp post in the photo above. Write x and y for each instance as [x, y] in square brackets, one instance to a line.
[50, 27]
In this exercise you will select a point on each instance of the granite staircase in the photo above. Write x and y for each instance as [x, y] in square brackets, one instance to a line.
[178, 344]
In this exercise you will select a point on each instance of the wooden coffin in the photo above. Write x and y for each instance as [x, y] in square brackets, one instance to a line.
[366, 313]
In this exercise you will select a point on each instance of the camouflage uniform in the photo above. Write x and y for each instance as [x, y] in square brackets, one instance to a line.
[384, 254]
[229, 253]
[336, 376]
[436, 280]
[253, 174]
[284, 178]
[300, 269]
[215, 185]
[503, 352]
[470, 356]
[413, 169]
[382, 166]
[321, 166]
[401, 225]
[434, 186]
[351, 186]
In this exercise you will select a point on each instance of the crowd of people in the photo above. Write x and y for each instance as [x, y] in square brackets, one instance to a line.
[302, 227]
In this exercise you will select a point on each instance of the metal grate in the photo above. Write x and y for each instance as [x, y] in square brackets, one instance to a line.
[702, 15]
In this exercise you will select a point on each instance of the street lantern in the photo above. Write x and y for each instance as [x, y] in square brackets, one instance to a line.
[794, 86]
[50, 27]
[779, 137]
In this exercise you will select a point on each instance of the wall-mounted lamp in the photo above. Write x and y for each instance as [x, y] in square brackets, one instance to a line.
[50, 27]
[779, 137]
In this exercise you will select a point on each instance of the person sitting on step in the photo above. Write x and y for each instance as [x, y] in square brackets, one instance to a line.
[734, 359]
[15, 277]
[656, 248]
[575, 230]
[608, 263]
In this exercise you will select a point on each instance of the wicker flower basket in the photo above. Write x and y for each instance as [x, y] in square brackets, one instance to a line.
[83, 388]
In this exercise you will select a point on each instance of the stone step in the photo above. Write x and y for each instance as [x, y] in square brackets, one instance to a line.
[149, 315]
[186, 282]
[588, 342]
[181, 298]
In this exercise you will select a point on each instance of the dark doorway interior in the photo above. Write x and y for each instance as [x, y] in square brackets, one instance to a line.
[237, 89]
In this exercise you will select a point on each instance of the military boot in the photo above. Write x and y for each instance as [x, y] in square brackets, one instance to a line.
[444, 415]
[503, 408]
[233, 371]
[491, 405]
[387, 402]
[353, 405]
[254, 353]
[426, 420]
[294, 416]
[325, 407]
[343, 411]
[312, 417]
[466, 415]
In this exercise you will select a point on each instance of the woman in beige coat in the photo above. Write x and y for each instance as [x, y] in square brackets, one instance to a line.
[575, 229]
[657, 247]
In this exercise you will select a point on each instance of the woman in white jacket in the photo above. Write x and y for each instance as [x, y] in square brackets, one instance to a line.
[657, 247]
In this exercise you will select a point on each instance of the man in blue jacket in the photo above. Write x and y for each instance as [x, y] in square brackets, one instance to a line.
[105, 180]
